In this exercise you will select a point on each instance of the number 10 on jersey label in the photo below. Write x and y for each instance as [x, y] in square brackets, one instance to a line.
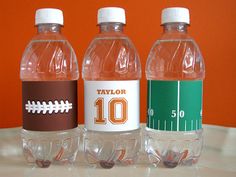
[111, 105]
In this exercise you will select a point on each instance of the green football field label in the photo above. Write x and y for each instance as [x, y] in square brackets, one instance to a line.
[174, 105]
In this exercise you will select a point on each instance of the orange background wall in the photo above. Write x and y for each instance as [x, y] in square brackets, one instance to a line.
[213, 25]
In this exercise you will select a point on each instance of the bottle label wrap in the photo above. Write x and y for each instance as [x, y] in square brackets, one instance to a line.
[174, 105]
[111, 105]
[49, 105]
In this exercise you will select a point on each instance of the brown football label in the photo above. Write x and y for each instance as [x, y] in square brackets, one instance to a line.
[49, 105]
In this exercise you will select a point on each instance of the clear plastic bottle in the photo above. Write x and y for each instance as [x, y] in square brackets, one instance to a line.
[175, 71]
[49, 74]
[111, 73]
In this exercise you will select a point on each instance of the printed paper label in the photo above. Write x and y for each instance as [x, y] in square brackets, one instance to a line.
[111, 105]
[49, 105]
[174, 105]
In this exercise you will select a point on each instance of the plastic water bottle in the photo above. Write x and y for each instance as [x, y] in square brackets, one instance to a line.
[49, 74]
[175, 71]
[111, 73]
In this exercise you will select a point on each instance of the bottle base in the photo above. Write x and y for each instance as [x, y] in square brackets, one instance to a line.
[45, 148]
[171, 149]
[105, 150]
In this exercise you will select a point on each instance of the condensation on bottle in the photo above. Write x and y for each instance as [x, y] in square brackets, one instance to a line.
[49, 74]
[175, 71]
[111, 73]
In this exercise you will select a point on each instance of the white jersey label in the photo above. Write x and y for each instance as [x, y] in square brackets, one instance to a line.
[111, 105]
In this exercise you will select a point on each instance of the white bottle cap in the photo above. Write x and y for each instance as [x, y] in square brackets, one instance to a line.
[48, 15]
[175, 14]
[111, 14]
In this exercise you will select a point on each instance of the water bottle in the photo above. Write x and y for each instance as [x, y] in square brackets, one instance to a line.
[111, 73]
[175, 71]
[49, 74]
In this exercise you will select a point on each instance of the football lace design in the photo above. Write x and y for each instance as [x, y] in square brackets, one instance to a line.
[37, 107]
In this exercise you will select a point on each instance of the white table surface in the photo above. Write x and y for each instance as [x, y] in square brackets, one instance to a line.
[218, 159]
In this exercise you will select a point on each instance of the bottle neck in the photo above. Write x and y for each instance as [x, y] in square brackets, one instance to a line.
[111, 27]
[175, 28]
[49, 28]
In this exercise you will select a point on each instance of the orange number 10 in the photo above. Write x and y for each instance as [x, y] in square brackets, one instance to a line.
[99, 103]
